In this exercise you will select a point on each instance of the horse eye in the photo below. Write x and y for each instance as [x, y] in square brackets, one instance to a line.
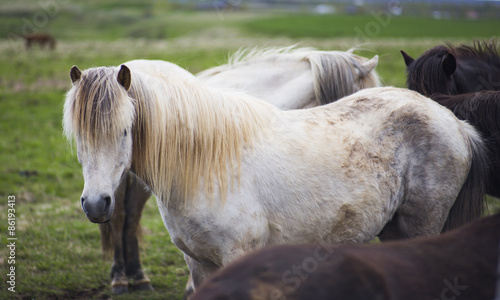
[125, 132]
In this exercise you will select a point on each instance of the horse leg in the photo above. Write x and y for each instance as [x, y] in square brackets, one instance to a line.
[119, 282]
[390, 230]
[189, 289]
[199, 272]
[416, 218]
[135, 199]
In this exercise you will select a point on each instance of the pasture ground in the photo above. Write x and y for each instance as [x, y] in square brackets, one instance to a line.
[57, 254]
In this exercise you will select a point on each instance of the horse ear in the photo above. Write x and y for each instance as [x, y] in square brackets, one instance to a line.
[449, 64]
[124, 77]
[75, 74]
[371, 64]
[408, 59]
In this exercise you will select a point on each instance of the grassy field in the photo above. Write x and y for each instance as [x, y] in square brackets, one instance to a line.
[57, 252]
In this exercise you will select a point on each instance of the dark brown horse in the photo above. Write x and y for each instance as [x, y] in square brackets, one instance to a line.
[481, 109]
[120, 236]
[454, 70]
[460, 264]
[42, 39]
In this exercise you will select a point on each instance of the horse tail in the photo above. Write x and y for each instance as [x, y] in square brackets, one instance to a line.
[470, 202]
[106, 238]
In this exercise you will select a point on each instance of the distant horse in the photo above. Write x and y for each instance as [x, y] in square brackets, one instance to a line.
[289, 78]
[292, 78]
[232, 173]
[454, 70]
[42, 39]
[482, 110]
[460, 264]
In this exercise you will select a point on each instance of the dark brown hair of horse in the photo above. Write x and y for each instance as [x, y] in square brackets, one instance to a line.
[421, 268]
[482, 110]
[455, 70]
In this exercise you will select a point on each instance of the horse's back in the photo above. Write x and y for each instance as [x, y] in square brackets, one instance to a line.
[386, 149]
[286, 83]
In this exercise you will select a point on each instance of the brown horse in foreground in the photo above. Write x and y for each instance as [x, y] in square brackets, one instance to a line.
[459, 264]
[120, 236]
[42, 39]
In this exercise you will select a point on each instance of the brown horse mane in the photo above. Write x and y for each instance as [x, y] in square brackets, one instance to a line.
[481, 109]
[454, 70]
[484, 50]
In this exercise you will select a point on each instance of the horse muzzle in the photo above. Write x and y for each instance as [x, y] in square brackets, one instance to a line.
[98, 209]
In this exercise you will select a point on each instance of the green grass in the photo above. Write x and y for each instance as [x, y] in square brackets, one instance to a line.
[378, 25]
[58, 253]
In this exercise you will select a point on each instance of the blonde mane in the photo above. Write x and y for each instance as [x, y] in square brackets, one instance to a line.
[334, 72]
[186, 137]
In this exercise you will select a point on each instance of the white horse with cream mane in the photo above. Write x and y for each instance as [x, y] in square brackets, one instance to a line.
[289, 78]
[233, 173]
[292, 78]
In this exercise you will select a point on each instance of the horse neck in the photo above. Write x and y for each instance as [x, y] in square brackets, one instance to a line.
[473, 75]
[277, 80]
[480, 109]
[187, 136]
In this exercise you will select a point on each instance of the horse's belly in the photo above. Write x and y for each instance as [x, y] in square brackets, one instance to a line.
[312, 196]
[218, 232]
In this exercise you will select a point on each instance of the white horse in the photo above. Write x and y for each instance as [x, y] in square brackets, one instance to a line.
[292, 78]
[232, 173]
[289, 78]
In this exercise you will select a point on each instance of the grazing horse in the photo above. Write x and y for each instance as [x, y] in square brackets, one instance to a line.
[42, 39]
[454, 70]
[459, 264]
[232, 173]
[292, 78]
[482, 110]
[289, 78]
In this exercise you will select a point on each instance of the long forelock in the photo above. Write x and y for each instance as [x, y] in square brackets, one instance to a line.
[97, 109]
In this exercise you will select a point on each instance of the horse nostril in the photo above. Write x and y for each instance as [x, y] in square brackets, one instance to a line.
[83, 205]
[107, 201]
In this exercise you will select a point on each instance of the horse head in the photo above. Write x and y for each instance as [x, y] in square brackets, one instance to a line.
[432, 72]
[98, 113]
